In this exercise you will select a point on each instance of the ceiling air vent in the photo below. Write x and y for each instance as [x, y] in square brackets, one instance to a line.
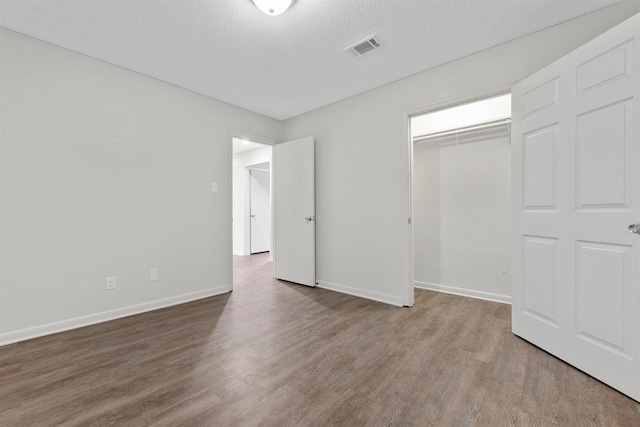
[363, 47]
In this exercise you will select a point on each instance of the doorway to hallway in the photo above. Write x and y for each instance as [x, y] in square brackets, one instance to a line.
[251, 211]
[273, 205]
[252, 197]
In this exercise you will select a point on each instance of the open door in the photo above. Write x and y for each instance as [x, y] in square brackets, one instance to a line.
[575, 199]
[260, 220]
[294, 211]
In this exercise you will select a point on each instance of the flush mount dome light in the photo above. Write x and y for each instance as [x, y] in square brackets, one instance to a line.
[272, 7]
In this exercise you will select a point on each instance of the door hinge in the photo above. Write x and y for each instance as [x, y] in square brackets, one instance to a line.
[409, 221]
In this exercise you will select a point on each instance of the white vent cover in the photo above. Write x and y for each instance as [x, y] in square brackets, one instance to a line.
[363, 46]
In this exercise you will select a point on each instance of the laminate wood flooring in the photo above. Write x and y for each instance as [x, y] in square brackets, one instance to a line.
[278, 354]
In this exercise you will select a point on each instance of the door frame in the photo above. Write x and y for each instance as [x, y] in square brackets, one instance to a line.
[432, 107]
[253, 138]
[249, 236]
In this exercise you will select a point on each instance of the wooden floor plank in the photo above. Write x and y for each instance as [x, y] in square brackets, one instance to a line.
[273, 353]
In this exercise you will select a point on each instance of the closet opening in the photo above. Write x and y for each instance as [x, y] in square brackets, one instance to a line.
[461, 199]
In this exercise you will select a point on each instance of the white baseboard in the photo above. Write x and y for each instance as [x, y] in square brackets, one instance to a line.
[505, 299]
[91, 319]
[362, 293]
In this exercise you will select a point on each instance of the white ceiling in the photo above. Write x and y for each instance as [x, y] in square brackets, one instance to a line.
[285, 65]
[241, 145]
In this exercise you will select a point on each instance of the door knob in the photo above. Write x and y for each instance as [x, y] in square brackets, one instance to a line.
[310, 218]
[634, 228]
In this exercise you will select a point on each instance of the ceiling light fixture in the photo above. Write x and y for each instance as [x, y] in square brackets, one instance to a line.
[272, 7]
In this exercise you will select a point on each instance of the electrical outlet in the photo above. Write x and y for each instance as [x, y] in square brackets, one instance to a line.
[111, 283]
[153, 275]
[214, 187]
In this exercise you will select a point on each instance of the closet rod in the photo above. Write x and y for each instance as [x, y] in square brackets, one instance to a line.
[487, 125]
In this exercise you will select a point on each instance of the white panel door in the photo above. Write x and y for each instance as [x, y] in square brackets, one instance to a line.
[260, 207]
[575, 191]
[294, 211]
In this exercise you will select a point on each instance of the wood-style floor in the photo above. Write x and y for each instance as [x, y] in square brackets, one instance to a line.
[278, 354]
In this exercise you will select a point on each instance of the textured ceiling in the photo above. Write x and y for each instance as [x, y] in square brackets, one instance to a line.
[285, 65]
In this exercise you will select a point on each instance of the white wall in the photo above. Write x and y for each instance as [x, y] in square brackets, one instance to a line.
[362, 154]
[462, 214]
[105, 172]
[241, 193]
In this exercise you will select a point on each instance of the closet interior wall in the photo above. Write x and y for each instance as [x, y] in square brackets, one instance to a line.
[462, 213]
